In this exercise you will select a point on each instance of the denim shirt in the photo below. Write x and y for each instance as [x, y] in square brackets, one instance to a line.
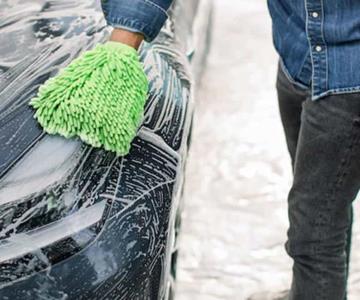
[319, 43]
[143, 16]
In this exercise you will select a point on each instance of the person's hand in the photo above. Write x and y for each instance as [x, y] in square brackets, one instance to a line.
[129, 38]
[99, 97]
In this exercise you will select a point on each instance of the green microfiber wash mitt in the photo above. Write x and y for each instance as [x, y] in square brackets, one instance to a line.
[99, 97]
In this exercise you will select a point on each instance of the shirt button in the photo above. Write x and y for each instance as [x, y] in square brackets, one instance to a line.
[318, 48]
[315, 14]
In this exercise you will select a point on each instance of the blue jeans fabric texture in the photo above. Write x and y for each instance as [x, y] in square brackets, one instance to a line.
[319, 43]
[323, 139]
[142, 16]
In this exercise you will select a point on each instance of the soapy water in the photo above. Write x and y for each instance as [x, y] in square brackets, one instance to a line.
[47, 182]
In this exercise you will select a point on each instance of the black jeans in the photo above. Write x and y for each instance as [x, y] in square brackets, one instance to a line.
[323, 138]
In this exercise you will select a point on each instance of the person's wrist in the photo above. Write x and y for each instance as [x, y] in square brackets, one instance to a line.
[132, 39]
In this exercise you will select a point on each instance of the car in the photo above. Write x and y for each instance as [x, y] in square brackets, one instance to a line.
[78, 222]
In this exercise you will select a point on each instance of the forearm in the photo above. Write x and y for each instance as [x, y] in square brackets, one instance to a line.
[135, 20]
[132, 39]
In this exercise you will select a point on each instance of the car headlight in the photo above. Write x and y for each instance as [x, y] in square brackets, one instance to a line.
[46, 212]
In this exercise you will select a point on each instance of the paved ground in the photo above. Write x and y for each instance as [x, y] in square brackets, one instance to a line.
[235, 217]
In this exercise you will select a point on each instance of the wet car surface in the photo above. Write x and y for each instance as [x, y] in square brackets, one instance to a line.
[78, 222]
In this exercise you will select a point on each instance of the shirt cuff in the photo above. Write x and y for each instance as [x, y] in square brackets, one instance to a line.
[142, 16]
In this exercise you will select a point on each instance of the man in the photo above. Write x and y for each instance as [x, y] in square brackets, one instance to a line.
[319, 97]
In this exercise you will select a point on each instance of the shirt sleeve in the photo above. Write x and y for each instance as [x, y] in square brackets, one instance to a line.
[142, 16]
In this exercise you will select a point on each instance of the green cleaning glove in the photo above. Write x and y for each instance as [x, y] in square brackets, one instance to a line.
[99, 97]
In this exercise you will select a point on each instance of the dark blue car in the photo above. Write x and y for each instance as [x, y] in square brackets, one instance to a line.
[78, 222]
